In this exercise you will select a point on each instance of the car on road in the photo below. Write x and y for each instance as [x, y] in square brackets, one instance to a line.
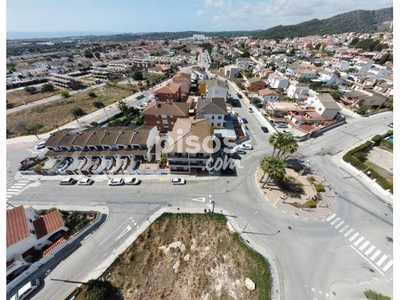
[264, 128]
[390, 125]
[241, 151]
[281, 125]
[178, 181]
[239, 95]
[246, 147]
[287, 131]
[250, 110]
[86, 181]
[40, 146]
[132, 181]
[116, 181]
[67, 181]
[245, 120]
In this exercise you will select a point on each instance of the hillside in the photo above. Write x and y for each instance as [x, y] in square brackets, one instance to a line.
[354, 21]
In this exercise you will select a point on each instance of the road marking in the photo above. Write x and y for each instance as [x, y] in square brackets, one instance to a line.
[13, 190]
[201, 199]
[383, 258]
[331, 217]
[125, 231]
[354, 236]
[11, 193]
[344, 228]
[369, 250]
[348, 232]
[376, 254]
[16, 187]
[24, 181]
[340, 224]
[8, 196]
[320, 292]
[327, 295]
[336, 220]
[364, 245]
[115, 230]
[388, 265]
[359, 241]
[313, 289]
[19, 183]
[367, 260]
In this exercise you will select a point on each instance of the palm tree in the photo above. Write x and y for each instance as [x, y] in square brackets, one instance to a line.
[277, 140]
[274, 166]
[289, 145]
[123, 107]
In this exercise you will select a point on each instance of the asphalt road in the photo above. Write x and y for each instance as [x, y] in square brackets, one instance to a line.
[313, 257]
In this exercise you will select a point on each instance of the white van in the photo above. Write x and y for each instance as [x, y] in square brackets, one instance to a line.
[27, 289]
[67, 181]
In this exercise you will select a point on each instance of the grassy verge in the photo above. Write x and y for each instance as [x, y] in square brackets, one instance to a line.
[186, 256]
[20, 97]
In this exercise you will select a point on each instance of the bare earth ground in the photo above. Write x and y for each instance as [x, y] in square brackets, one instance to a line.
[21, 97]
[183, 256]
[59, 112]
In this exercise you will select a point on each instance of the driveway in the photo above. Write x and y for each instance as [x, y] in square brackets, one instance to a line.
[382, 158]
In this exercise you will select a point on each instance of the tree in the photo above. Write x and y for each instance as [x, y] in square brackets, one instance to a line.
[276, 140]
[162, 162]
[138, 75]
[274, 166]
[388, 104]
[30, 90]
[47, 87]
[88, 54]
[97, 54]
[92, 95]
[77, 112]
[361, 110]
[255, 101]
[289, 146]
[123, 107]
[64, 94]
[34, 129]
[98, 104]
[99, 290]
[336, 95]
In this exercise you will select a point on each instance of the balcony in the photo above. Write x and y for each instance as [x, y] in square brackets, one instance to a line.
[178, 163]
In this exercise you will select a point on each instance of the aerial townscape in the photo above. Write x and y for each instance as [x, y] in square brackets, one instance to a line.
[224, 163]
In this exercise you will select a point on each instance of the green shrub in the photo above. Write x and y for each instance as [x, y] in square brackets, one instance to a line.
[319, 187]
[64, 94]
[377, 139]
[92, 95]
[361, 156]
[372, 295]
[311, 204]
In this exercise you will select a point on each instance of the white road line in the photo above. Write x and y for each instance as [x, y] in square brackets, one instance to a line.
[383, 258]
[376, 254]
[16, 187]
[327, 295]
[8, 196]
[354, 236]
[331, 217]
[11, 193]
[388, 265]
[26, 181]
[313, 289]
[340, 224]
[364, 245]
[12, 190]
[369, 250]
[348, 232]
[367, 260]
[320, 292]
[359, 241]
[115, 230]
[18, 183]
[336, 220]
[344, 228]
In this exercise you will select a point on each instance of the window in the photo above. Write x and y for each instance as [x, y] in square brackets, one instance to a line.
[219, 117]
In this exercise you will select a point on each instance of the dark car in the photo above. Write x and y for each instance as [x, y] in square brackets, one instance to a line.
[239, 95]
[245, 120]
[265, 129]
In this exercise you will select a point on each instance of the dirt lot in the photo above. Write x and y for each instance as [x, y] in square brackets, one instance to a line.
[21, 97]
[58, 112]
[183, 256]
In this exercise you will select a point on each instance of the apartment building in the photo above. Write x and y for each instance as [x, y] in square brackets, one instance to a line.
[163, 115]
[170, 92]
[64, 81]
[214, 110]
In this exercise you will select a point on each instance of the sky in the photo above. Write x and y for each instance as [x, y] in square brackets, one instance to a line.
[171, 15]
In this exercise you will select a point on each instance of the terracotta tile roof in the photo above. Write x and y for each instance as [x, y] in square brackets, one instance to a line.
[54, 246]
[17, 225]
[211, 106]
[267, 92]
[48, 223]
[170, 88]
[179, 109]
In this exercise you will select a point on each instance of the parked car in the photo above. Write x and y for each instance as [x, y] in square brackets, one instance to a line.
[86, 181]
[40, 146]
[67, 181]
[116, 181]
[132, 181]
[390, 125]
[281, 125]
[239, 95]
[241, 151]
[64, 165]
[178, 181]
[287, 131]
[250, 110]
[264, 128]
[245, 120]
[246, 147]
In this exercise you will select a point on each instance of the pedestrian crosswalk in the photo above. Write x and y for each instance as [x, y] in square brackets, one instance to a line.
[381, 261]
[16, 188]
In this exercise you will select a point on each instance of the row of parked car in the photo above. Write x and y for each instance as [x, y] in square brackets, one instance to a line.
[114, 181]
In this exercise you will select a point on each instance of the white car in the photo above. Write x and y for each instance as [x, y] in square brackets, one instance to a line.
[40, 146]
[287, 131]
[85, 181]
[250, 110]
[246, 147]
[132, 181]
[178, 181]
[116, 181]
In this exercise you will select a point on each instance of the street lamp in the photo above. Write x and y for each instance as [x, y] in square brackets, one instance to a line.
[248, 223]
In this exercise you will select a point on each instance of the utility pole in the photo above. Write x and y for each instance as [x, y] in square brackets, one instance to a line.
[248, 223]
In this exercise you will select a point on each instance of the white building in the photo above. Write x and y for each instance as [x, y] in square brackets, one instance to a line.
[268, 95]
[324, 104]
[277, 81]
[231, 71]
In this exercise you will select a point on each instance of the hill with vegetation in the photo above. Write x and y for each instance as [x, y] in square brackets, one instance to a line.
[354, 21]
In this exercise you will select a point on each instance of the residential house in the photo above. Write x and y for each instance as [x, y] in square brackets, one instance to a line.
[268, 95]
[363, 83]
[378, 71]
[324, 105]
[213, 110]
[184, 80]
[305, 73]
[263, 74]
[217, 92]
[163, 115]
[383, 88]
[231, 71]
[298, 91]
[27, 231]
[190, 146]
[277, 81]
[170, 92]
[329, 78]
[255, 84]
[362, 65]
[165, 70]
[357, 98]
